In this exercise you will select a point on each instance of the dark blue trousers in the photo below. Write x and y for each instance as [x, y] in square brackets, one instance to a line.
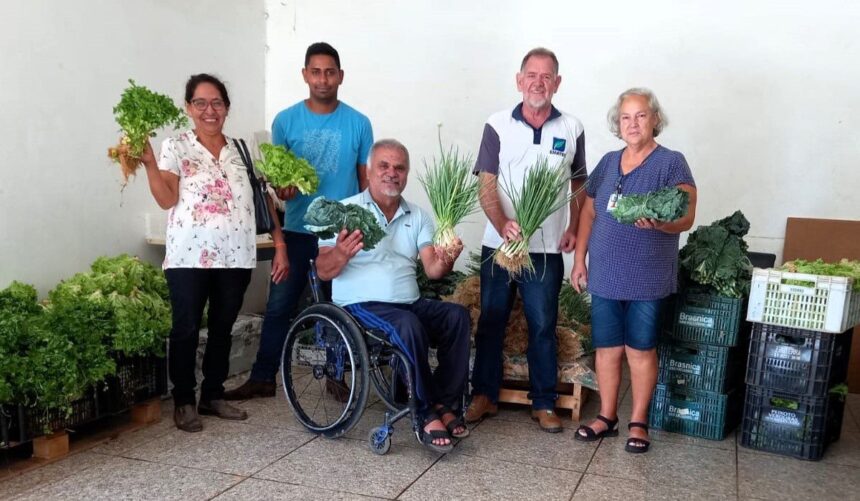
[414, 328]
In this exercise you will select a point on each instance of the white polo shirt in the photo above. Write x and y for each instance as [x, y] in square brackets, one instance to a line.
[386, 273]
[510, 146]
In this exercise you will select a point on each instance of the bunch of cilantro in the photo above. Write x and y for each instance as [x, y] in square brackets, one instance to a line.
[667, 204]
[326, 218]
[716, 256]
[140, 112]
[283, 168]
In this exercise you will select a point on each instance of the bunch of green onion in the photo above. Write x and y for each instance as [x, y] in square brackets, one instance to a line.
[453, 194]
[544, 191]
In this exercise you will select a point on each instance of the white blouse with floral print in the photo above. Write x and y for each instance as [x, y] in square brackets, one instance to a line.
[212, 225]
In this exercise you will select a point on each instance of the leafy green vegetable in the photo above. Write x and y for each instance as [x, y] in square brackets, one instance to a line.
[844, 268]
[123, 298]
[667, 204]
[437, 289]
[452, 191]
[326, 218]
[784, 403]
[283, 168]
[139, 113]
[575, 306]
[716, 256]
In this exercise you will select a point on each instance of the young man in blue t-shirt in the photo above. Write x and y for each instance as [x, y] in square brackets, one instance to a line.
[335, 139]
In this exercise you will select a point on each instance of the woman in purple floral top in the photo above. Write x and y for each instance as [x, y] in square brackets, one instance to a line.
[632, 268]
[211, 247]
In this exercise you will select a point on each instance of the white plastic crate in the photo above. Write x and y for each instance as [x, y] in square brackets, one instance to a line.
[824, 304]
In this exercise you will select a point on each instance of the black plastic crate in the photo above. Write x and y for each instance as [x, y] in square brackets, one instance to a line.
[696, 413]
[789, 424]
[697, 315]
[137, 379]
[12, 432]
[699, 366]
[797, 361]
[83, 411]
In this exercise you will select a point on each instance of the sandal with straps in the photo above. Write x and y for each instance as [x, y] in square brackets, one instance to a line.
[592, 436]
[637, 445]
[453, 424]
[427, 437]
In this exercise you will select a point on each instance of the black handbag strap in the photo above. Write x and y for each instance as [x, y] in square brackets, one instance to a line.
[246, 159]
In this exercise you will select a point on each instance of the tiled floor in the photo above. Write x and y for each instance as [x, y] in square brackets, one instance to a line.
[270, 456]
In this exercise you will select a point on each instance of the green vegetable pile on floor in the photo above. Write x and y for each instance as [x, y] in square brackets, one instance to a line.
[436, 289]
[667, 204]
[716, 256]
[283, 168]
[844, 268]
[326, 218]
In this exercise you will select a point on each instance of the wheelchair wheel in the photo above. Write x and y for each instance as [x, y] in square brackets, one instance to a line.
[324, 367]
[386, 374]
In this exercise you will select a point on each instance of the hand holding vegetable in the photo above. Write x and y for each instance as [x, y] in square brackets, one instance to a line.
[348, 244]
[139, 113]
[283, 169]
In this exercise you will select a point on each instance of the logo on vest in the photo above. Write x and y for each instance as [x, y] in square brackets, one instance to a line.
[558, 146]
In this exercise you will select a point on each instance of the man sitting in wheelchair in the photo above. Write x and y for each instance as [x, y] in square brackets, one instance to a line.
[379, 288]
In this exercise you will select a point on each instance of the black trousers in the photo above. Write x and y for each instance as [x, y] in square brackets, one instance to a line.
[190, 289]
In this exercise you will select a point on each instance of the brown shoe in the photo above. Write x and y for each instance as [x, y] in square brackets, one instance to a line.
[548, 420]
[186, 418]
[251, 389]
[220, 408]
[480, 408]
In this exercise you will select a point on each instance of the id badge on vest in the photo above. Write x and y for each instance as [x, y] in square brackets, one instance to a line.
[613, 201]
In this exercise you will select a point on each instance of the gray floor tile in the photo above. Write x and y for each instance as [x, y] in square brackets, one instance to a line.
[600, 488]
[73, 465]
[767, 476]
[348, 465]
[464, 477]
[674, 466]
[138, 480]
[526, 443]
[522, 414]
[253, 489]
[126, 441]
[271, 412]
[222, 446]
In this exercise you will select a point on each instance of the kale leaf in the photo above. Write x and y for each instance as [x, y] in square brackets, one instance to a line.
[326, 218]
[667, 204]
[716, 256]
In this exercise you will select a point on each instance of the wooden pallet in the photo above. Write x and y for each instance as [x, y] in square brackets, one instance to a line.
[571, 396]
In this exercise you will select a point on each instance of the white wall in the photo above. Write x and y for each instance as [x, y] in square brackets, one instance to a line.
[63, 66]
[762, 96]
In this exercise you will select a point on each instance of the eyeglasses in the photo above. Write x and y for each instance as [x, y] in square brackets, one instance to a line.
[202, 104]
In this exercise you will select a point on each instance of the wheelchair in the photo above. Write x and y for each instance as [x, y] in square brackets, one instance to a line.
[328, 363]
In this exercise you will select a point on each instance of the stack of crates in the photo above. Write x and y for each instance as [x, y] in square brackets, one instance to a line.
[798, 362]
[701, 355]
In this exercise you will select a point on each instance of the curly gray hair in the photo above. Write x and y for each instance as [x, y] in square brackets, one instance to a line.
[653, 104]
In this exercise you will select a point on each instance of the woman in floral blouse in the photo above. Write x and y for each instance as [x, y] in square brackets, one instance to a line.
[211, 246]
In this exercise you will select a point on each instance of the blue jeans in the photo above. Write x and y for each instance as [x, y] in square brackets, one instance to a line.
[625, 323]
[283, 299]
[539, 292]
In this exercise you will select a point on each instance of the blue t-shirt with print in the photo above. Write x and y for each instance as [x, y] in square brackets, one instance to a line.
[625, 262]
[334, 144]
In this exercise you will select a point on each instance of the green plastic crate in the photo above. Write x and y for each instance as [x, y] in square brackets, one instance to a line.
[699, 366]
[695, 413]
[698, 316]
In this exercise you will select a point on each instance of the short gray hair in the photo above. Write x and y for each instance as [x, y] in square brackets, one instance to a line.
[389, 144]
[540, 52]
[653, 104]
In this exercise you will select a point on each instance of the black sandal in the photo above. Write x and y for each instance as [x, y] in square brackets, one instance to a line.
[427, 437]
[592, 436]
[637, 445]
[453, 424]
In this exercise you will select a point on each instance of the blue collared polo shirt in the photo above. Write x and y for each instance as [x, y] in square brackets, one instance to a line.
[386, 273]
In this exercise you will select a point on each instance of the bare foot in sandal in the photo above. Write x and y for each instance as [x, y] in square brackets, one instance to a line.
[455, 426]
[436, 435]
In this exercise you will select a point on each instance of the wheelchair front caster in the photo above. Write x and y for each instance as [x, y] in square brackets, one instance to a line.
[379, 440]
